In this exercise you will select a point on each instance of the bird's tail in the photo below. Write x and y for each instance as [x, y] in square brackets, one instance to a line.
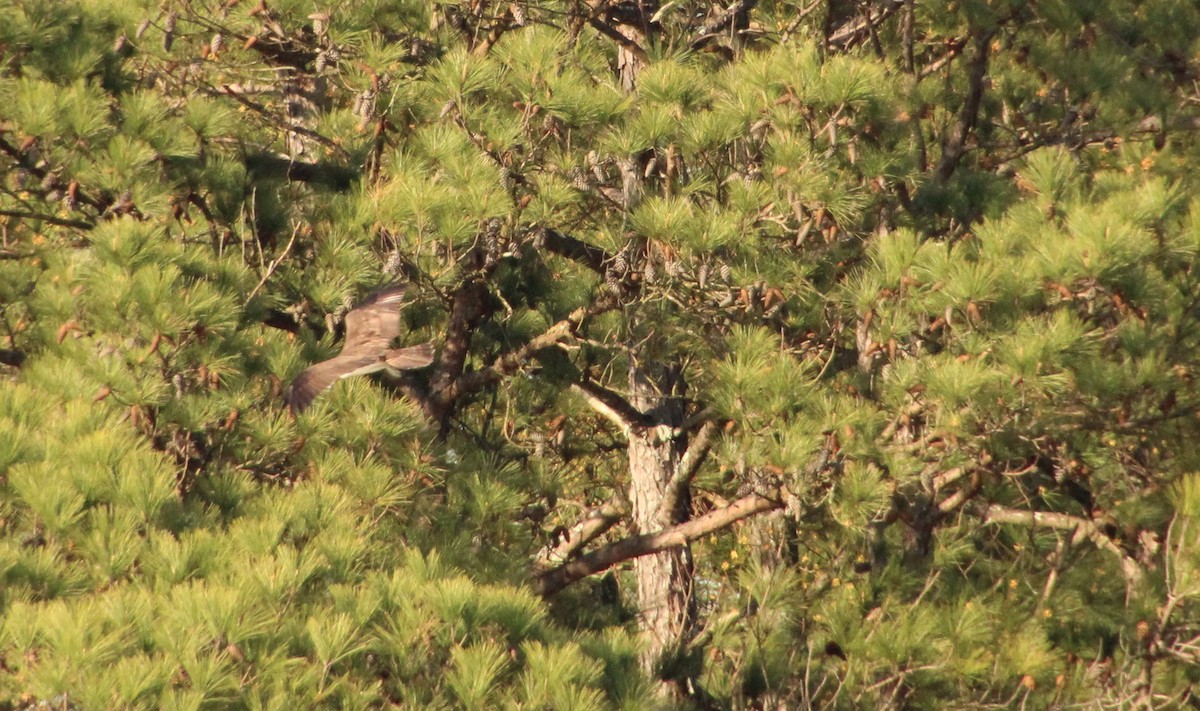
[411, 358]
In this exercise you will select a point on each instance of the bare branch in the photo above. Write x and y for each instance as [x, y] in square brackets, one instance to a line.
[11, 357]
[575, 249]
[954, 50]
[955, 143]
[602, 559]
[611, 32]
[469, 306]
[1088, 528]
[582, 533]
[731, 18]
[60, 221]
[962, 496]
[275, 263]
[512, 361]
[852, 33]
[695, 455]
[614, 407]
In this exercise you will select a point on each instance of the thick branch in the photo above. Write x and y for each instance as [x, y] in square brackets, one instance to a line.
[470, 305]
[60, 221]
[617, 409]
[11, 357]
[338, 177]
[731, 18]
[512, 361]
[611, 32]
[602, 559]
[695, 455]
[582, 533]
[860, 29]
[1088, 528]
[575, 249]
[955, 144]
[267, 113]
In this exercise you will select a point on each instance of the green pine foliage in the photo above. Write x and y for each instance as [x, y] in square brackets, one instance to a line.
[927, 268]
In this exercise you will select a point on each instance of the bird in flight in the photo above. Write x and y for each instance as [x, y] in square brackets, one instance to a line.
[370, 328]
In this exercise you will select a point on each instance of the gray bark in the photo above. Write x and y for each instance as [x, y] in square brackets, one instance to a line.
[666, 598]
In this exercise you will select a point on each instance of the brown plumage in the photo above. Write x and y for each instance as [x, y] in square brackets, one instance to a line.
[370, 328]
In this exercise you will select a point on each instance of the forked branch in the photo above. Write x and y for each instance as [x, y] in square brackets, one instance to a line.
[602, 559]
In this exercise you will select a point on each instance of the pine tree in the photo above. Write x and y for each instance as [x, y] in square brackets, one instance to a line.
[790, 354]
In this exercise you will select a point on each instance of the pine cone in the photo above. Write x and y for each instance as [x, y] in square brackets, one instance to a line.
[520, 19]
[320, 23]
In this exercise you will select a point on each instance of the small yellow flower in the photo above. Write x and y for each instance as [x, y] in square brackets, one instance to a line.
[1047, 613]
[1012, 584]
[836, 582]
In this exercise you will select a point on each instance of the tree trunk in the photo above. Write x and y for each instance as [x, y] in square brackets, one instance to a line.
[666, 598]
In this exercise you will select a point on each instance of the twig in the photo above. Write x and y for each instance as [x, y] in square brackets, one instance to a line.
[275, 263]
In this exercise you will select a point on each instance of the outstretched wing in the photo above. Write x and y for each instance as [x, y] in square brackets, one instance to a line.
[410, 358]
[370, 328]
[318, 378]
[372, 325]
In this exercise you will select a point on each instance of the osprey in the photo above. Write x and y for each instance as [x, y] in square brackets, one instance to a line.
[370, 328]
